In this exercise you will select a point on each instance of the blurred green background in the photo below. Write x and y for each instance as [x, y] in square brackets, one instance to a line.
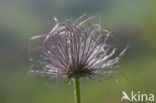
[130, 21]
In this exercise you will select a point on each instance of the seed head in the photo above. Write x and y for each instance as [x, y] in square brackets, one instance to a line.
[73, 50]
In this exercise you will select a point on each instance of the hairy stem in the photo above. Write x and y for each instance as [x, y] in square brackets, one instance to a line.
[77, 90]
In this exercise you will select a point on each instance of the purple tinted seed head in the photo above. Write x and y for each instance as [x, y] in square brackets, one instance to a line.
[73, 51]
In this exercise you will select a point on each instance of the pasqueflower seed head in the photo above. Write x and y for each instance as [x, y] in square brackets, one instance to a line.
[73, 50]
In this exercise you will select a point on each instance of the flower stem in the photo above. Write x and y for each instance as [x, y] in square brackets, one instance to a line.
[77, 90]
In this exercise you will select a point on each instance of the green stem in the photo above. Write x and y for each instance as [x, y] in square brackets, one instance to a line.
[77, 90]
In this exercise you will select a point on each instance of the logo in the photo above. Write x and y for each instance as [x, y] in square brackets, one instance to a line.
[137, 96]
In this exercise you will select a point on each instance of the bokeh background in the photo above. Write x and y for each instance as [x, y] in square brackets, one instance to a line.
[131, 21]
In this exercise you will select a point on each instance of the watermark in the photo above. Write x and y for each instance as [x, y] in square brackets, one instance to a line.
[137, 96]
